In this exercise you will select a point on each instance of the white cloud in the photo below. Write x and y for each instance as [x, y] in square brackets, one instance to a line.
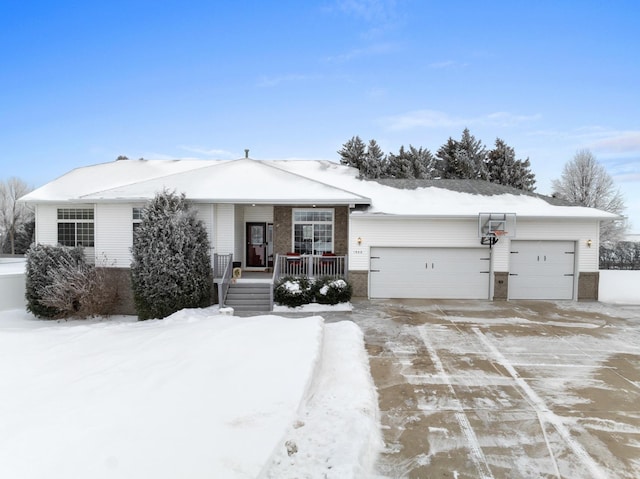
[621, 142]
[372, 11]
[439, 119]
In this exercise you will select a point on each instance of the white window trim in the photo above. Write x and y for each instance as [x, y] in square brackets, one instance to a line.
[315, 210]
[75, 222]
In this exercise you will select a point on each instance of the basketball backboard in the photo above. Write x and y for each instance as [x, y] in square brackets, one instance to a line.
[493, 226]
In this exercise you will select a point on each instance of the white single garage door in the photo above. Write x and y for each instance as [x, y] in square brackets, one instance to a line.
[443, 273]
[541, 269]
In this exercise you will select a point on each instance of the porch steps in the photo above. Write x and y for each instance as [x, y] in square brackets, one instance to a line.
[245, 296]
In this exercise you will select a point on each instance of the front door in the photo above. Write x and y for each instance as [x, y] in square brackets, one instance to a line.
[256, 245]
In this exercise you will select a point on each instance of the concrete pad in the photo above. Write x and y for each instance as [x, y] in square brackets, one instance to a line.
[477, 389]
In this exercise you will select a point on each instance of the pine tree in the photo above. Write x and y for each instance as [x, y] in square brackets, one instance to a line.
[399, 166]
[171, 267]
[422, 162]
[464, 159]
[503, 168]
[374, 163]
[352, 153]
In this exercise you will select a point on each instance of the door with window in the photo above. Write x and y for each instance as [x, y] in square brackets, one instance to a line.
[256, 245]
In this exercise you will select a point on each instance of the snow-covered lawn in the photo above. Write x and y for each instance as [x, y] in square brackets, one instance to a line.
[195, 395]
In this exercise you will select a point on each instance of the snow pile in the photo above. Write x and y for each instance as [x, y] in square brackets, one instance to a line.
[311, 447]
[195, 395]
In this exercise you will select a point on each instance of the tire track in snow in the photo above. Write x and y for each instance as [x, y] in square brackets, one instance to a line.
[543, 412]
[477, 456]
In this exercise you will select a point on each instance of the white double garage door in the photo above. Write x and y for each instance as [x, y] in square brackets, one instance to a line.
[537, 270]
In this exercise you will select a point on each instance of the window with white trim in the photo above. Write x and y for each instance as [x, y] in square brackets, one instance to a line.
[313, 231]
[76, 227]
[136, 216]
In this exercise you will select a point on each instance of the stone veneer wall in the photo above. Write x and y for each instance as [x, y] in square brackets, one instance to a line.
[500, 286]
[283, 225]
[360, 283]
[121, 278]
[588, 286]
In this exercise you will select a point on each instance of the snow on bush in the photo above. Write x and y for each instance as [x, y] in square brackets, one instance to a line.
[171, 267]
[292, 292]
[61, 284]
[333, 291]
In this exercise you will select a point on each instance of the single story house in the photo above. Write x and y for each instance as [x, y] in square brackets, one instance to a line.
[394, 238]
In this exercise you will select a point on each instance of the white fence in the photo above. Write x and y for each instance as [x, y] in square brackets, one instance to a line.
[619, 286]
[12, 284]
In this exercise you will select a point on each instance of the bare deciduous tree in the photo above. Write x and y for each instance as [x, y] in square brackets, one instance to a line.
[12, 213]
[585, 182]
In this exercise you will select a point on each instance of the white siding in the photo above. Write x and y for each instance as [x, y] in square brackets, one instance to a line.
[258, 214]
[562, 229]
[238, 229]
[114, 234]
[376, 232]
[409, 232]
[207, 216]
[224, 231]
[46, 224]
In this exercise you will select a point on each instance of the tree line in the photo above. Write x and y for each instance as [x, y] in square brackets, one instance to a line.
[466, 158]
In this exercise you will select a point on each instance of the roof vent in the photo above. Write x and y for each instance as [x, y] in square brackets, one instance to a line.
[246, 152]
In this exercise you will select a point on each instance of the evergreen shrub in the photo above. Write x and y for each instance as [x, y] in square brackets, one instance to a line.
[332, 291]
[171, 267]
[45, 264]
[291, 291]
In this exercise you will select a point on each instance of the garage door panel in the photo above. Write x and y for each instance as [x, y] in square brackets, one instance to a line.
[429, 273]
[541, 270]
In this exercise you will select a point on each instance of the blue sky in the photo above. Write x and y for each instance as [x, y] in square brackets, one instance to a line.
[84, 82]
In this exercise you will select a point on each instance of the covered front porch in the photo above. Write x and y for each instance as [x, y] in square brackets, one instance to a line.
[250, 290]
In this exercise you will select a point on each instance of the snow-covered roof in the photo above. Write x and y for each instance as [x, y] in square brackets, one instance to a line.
[443, 198]
[296, 182]
[238, 181]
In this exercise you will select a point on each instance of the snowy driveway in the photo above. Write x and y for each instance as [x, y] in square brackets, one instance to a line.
[520, 389]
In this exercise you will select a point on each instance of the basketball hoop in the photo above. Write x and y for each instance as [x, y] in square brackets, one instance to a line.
[500, 232]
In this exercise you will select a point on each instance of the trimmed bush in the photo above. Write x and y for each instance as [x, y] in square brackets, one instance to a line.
[292, 292]
[171, 268]
[332, 291]
[60, 284]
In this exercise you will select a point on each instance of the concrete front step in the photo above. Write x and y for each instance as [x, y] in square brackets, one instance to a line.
[244, 296]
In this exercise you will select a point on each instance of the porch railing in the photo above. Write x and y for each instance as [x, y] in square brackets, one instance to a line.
[313, 266]
[223, 284]
[220, 262]
[274, 278]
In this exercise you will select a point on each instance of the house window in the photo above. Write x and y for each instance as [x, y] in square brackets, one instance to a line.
[313, 231]
[75, 227]
[137, 218]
